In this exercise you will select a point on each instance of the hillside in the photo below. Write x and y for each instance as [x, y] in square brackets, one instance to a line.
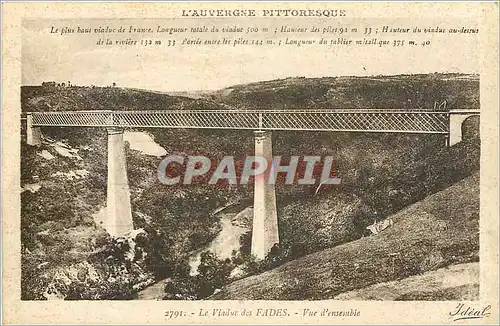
[72, 98]
[441, 230]
[409, 92]
[454, 282]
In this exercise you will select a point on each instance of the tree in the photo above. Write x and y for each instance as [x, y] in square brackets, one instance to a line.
[213, 273]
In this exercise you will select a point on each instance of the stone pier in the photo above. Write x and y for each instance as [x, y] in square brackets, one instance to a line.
[265, 219]
[33, 134]
[118, 211]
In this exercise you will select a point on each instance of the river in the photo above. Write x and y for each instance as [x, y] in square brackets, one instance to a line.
[223, 245]
[228, 239]
[144, 143]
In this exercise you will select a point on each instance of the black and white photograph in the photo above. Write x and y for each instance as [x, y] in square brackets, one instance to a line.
[247, 153]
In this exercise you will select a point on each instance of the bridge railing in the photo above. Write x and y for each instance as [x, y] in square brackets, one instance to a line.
[367, 120]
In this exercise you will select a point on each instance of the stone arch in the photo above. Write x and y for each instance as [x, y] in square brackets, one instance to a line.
[470, 127]
[457, 118]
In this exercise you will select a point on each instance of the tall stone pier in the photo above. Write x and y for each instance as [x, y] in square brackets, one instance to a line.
[265, 219]
[118, 220]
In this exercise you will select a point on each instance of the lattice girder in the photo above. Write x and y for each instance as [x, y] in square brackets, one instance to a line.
[320, 120]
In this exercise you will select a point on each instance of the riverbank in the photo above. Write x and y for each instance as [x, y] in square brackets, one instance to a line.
[223, 246]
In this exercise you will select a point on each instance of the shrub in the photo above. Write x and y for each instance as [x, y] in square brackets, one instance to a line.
[213, 273]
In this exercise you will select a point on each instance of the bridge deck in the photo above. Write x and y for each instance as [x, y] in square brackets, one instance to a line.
[366, 120]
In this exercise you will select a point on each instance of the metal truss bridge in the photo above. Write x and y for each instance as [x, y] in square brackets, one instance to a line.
[265, 221]
[362, 120]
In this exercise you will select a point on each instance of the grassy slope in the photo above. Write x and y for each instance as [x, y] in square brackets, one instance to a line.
[37, 98]
[440, 230]
[401, 91]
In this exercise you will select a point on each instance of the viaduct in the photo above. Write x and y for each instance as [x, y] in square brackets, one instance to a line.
[265, 221]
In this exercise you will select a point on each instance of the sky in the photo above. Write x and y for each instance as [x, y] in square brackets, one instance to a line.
[75, 57]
